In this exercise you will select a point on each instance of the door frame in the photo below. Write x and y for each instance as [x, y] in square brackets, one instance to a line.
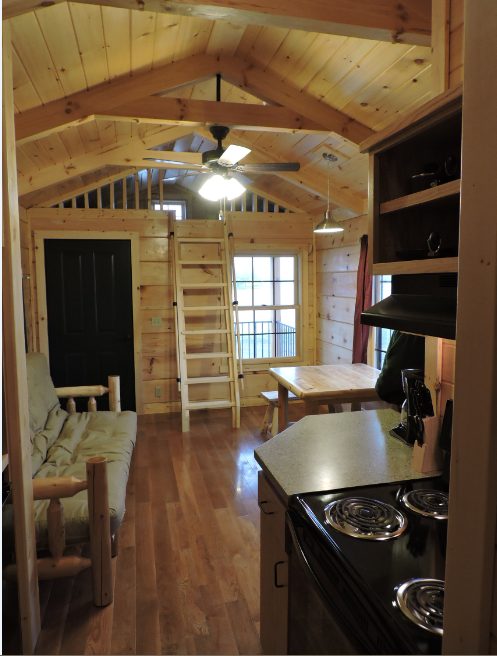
[41, 292]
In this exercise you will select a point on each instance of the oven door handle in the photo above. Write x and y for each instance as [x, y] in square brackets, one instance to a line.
[311, 576]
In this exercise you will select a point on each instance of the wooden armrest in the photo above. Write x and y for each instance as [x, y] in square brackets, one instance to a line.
[58, 487]
[81, 391]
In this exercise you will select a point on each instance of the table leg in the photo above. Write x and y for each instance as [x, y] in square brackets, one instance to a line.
[334, 408]
[282, 408]
[311, 407]
[356, 405]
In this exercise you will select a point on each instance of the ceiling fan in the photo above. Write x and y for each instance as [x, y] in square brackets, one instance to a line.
[224, 164]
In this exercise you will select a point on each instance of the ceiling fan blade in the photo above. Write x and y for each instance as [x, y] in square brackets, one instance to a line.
[232, 155]
[266, 168]
[242, 179]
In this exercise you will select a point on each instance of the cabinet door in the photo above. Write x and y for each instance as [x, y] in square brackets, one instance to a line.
[274, 571]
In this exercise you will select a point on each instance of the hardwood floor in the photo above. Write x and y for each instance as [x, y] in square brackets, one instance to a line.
[187, 573]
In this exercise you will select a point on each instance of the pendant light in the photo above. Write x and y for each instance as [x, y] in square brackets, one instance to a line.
[328, 224]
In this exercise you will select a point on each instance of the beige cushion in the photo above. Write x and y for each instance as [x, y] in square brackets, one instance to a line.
[87, 434]
[45, 414]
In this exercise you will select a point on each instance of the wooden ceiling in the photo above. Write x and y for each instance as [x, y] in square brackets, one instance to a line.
[71, 60]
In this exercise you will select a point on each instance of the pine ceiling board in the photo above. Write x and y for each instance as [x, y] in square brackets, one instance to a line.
[73, 142]
[37, 154]
[192, 37]
[58, 32]
[204, 90]
[408, 93]
[123, 130]
[407, 109]
[25, 166]
[117, 31]
[241, 96]
[343, 60]
[348, 149]
[225, 38]
[247, 41]
[89, 29]
[165, 39]
[143, 26]
[90, 136]
[313, 59]
[25, 94]
[266, 45]
[373, 64]
[363, 105]
[55, 148]
[291, 50]
[30, 46]
[107, 132]
[304, 145]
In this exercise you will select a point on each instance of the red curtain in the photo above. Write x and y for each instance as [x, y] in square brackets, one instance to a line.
[363, 302]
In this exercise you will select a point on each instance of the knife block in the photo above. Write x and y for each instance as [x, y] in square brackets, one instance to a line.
[429, 456]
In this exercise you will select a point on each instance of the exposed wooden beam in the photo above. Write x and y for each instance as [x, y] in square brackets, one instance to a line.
[42, 121]
[264, 84]
[440, 46]
[382, 20]
[133, 93]
[274, 199]
[96, 160]
[179, 111]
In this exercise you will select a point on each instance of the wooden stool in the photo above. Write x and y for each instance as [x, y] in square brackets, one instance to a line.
[270, 421]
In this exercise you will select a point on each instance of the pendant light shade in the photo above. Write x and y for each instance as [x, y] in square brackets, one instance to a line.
[328, 224]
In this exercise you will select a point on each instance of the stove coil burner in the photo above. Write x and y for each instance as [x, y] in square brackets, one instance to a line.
[365, 518]
[430, 503]
[422, 601]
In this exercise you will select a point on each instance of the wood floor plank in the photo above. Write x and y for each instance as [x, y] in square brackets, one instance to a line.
[124, 622]
[246, 635]
[50, 638]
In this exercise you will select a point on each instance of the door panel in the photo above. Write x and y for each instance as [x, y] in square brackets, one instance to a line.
[90, 315]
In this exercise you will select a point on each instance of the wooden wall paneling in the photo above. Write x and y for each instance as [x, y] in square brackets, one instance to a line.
[469, 589]
[26, 276]
[456, 42]
[440, 45]
[15, 390]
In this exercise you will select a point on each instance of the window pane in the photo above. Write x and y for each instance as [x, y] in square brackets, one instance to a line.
[287, 317]
[284, 268]
[264, 315]
[244, 293]
[243, 268]
[285, 333]
[284, 293]
[263, 293]
[263, 268]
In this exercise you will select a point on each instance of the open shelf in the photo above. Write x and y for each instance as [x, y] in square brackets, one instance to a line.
[433, 265]
[442, 191]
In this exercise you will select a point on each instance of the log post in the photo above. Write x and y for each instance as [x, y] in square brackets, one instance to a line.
[71, 405]
[99, 522]
[58, 487]
[114, 393]
[56, 529]
[92, 404]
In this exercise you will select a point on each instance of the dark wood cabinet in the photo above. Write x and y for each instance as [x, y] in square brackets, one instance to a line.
[414, 189]
[274, 571]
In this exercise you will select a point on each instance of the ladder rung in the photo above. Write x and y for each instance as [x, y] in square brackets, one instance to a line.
[203, 285]
[206, 332]
[203, 405]
[207, 356]
[209, 380]
[206, 307]
[200, 240]
[200, 261]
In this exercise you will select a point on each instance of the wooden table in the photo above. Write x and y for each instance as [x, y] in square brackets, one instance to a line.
[333, 383]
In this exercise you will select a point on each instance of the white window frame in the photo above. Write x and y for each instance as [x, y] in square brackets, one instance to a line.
[300, 308]
[170, 206]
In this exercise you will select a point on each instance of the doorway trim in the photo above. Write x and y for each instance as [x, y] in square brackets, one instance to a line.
[41, 292]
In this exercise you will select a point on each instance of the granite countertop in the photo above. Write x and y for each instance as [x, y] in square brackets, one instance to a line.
[336, 451]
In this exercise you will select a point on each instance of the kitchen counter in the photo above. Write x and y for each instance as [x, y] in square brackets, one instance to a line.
[335, 451]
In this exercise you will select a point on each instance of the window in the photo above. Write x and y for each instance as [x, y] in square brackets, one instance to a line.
[178, 206]
[268, 309]
[382, 289]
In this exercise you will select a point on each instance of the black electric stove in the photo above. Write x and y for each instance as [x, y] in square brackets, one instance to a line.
[380, 593]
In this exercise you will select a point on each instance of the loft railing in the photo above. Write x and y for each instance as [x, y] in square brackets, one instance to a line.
[267, 339]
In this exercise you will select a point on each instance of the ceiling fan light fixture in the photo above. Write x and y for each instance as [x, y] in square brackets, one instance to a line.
[328, 224]
[213, 188]
[233, 189]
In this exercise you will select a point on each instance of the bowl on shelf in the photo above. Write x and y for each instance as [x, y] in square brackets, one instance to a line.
[424, 254]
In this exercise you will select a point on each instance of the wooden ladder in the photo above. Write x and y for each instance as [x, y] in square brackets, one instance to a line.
[205, 327]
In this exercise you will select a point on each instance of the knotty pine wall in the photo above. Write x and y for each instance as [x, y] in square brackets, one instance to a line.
[337, 260]
[26, 257]
[456, 42]
[253, 232]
